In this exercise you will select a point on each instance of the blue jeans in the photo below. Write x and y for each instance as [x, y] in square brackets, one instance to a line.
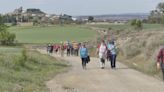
[113, 60]
[84, 62]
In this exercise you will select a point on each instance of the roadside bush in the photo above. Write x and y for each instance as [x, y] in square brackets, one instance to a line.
[137, 24]
[22, 60]
[6, 38]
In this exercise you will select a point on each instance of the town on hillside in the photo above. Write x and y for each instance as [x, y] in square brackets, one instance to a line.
[33, 16]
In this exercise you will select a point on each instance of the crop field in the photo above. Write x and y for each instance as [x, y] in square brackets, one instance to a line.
[53, 34]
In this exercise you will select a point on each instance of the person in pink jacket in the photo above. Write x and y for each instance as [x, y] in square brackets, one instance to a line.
[160, 60]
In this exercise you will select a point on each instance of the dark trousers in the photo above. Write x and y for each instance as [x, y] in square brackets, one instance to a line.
[113, 60]
[108, 55]
[76, 52]
[84, 61]
[162, 67]
[72, 51]
[68, 52]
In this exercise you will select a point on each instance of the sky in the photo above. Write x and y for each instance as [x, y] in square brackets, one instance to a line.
[82, 7]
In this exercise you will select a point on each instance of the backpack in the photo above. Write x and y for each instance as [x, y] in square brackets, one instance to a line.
[88, 59]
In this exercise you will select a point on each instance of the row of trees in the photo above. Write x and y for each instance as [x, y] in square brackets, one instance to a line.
[10, 19]
[157, 15]
[6, 38]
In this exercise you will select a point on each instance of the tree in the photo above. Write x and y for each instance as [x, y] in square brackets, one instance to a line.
[90, 19]
[35, 21]
[162, 19]
[6, 38]
[160, 7]
[137, 24]
[156, 16]
[133, 22]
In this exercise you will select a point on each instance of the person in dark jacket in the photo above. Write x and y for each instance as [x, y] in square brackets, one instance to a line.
[160, 60]
[49, 49]
[84, 55]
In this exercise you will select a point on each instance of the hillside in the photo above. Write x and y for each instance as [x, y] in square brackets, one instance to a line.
[137, 49]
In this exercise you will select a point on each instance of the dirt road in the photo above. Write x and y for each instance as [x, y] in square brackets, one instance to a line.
[94, 79]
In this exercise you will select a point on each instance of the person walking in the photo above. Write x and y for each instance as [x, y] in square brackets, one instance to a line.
[62, 49]
[112, 55]
[50, 49]
[102, 50]
[76, 48]
[68, 49]
[160, 60]
[71, 49]
[84, 55]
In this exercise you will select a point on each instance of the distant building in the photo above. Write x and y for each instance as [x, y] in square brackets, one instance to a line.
[65, 19]
[34, 12]
[36, 15]
[74, 19]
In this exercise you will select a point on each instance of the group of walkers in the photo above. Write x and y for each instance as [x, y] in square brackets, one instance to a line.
[105, 51]
[71, 48]
[108, 51]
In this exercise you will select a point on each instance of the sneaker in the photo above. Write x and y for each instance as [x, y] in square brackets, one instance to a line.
[102, 67]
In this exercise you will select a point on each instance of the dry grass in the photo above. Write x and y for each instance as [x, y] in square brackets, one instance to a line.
[139, 50]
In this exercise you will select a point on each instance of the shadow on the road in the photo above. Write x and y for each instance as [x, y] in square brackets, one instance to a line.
[122, 68]
[107, 68]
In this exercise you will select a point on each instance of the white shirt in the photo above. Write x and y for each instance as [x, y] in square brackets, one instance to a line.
[102, 51]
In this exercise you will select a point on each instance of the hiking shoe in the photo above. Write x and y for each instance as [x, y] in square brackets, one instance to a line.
[102, 67]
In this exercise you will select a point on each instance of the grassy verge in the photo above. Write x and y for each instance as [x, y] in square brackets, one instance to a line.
[26, 71]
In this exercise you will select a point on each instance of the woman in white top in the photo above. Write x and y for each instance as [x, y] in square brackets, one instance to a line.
[102, 50]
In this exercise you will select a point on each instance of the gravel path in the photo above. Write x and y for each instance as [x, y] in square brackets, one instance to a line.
[94, 79]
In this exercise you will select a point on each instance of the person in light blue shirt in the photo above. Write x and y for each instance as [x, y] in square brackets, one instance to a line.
[112, 49]
[84, 55]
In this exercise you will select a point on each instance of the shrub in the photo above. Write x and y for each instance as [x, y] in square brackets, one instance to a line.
[137, 24]
[6, 38]
[23, 58]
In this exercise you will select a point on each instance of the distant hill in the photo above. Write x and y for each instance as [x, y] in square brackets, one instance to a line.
[127, 16]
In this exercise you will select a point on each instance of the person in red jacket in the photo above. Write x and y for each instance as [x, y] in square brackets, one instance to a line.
[160, 60]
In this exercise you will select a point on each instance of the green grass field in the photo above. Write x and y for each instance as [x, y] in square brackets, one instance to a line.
[30, 77]
[54, 34]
